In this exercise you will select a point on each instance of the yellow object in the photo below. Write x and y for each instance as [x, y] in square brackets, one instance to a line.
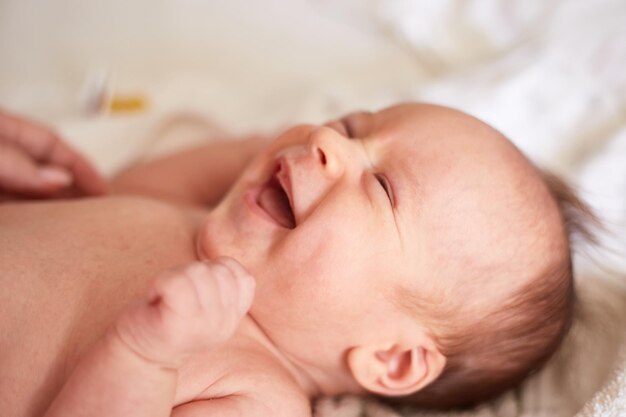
[129, 103]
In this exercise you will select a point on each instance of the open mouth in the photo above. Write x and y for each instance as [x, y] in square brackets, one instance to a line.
[274, 200]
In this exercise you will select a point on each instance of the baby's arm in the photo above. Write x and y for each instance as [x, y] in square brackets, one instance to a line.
[133, 371]
[198, 176]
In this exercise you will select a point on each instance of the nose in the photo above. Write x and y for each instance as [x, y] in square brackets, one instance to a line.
[329, 148]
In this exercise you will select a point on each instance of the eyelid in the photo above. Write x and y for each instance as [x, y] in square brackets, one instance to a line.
[345, 122]
[339, 126]
[384, 182]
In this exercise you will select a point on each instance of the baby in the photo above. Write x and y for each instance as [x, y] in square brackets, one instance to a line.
[414, 254]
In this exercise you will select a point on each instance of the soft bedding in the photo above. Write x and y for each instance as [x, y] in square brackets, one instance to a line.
[548, 74]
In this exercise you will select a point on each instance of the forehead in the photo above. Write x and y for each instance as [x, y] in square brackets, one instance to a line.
[412, 125]
[430, 147]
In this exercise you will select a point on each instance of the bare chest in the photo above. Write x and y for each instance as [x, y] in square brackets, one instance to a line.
[66, 271]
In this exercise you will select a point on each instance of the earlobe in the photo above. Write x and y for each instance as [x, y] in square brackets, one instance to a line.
[395, 371]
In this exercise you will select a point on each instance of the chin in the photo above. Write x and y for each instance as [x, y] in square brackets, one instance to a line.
[217, 238]
[202, 252]
[208, 241]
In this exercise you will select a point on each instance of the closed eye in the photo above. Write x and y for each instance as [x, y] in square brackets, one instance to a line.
[382, 180]
[348, 128]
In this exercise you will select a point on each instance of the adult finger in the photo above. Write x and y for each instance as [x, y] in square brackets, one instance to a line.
[86, 178]
[19, 174]
[36, 140]
[45, 146]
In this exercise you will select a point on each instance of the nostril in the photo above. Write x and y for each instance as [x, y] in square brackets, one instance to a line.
[321, 156]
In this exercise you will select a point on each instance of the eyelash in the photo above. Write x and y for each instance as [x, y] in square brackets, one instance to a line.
[385, 184]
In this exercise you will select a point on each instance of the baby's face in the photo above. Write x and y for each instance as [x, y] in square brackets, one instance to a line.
[414, 196]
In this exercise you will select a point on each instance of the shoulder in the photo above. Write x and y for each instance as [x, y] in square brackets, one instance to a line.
[100, 228]
[132, 203]
[139, 211]
[275, 391]
[263, 386]
[259, 390]
[280, 395]
[244, 405]
[93, 207]
[287, 406]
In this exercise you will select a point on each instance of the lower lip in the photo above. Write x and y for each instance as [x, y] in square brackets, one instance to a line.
[251, 198]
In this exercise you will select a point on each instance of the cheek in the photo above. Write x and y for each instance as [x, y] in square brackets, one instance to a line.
[320, 274]
[303, 270]
[322, 270]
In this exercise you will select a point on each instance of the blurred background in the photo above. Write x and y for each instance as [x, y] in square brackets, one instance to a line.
[259, 55]
[540, 70]
[123, 80]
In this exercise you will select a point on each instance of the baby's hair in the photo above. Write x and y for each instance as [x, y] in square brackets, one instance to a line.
[495, 353]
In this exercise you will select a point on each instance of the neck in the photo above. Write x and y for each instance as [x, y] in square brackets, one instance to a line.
[313, 379]
[299, 374]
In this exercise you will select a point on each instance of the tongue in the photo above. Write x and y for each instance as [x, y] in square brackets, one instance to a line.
[276, 204]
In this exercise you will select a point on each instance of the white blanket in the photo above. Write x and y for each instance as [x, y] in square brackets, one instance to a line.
[550, 74]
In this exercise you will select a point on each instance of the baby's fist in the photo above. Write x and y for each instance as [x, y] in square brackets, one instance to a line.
[188, 308]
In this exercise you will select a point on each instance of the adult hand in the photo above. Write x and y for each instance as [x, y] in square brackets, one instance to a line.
[36, 163]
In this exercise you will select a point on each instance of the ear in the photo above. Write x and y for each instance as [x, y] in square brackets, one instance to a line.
[395, 371]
